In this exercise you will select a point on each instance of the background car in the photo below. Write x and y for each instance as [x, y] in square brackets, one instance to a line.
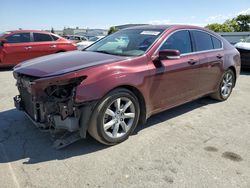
[85, 44]
[21, 45]
[75, 38]
[120, 81]
[244, 49]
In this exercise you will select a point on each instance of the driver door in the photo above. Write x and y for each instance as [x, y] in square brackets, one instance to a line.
[176, 80]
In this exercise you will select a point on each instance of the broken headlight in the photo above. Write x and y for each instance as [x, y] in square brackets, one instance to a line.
[65, 90]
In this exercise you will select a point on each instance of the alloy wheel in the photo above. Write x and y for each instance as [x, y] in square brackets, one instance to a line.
[119, 117]
[227, 85]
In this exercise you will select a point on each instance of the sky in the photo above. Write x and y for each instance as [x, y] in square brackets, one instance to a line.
[44, 14]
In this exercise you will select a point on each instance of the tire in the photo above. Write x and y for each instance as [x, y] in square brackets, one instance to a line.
[227, 81]
[115, 117]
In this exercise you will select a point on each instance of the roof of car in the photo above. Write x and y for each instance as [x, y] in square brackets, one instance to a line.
[164, 27]
[26, 31]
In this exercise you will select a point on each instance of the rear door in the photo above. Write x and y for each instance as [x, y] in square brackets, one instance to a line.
[17, 48]
[43, 44]
[210, 52]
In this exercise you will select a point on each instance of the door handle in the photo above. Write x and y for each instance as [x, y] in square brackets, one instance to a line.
[219, 56]
[27, 47]
[192, 62]
[53, 46]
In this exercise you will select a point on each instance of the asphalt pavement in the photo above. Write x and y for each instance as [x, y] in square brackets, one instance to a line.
[200, 144]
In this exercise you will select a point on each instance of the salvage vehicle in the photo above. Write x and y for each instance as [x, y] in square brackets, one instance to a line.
[244, 49]
[21, 45]
[120, 81]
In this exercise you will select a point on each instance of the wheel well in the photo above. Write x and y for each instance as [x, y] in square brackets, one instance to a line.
[141, 100]
[60, 51]
[234, 71]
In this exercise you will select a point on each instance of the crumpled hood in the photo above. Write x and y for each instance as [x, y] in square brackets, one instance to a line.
[65, 62]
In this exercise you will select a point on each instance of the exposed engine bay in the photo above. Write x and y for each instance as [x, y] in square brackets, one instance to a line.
[50, 107]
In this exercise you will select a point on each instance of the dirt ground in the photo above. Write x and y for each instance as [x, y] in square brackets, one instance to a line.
[200, 144]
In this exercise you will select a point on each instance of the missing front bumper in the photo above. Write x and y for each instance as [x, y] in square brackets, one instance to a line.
[55, 122]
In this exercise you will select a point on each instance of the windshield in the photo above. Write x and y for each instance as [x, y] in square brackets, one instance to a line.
[247, 39]
[131, 42]
[4, 33]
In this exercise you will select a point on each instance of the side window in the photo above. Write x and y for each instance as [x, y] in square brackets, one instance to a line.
[54, 37]
[203, 41]
[18, 38]
[178, 41]
[40, 37]
[216, 43]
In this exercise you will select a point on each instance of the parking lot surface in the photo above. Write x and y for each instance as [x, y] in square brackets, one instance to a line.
[200, 144]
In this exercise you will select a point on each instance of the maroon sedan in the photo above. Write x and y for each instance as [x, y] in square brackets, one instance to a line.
[123, 79]
[21, 45]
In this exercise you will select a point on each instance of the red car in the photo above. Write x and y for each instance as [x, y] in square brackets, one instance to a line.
[21, 45]
[120, 81]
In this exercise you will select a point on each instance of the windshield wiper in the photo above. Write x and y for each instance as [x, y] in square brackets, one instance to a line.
[102, 51]
[105, 52]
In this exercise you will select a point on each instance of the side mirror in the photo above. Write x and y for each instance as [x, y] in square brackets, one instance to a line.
[3, 41]
[169, 54]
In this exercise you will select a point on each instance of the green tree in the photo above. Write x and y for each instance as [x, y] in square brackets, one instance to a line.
[233, 24]
[52, 30]
[219, 27]
[244, 22]
[239, 24]
[112, 30]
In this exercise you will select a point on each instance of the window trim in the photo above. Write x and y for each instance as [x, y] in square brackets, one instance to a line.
[192, 41]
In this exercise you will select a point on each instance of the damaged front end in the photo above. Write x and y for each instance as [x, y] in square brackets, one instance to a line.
[49, 102]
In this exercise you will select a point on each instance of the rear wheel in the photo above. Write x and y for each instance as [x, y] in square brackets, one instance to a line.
[225, 87]
[115, 117]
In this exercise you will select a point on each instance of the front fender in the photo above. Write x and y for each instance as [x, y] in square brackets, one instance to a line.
[102, 79]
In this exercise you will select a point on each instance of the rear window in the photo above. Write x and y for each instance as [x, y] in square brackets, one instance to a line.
[216, 43]
[18, 38]
[40, 37]
[54, 37]
[203, 41]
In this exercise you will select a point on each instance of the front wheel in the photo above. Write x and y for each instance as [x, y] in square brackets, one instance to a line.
[115, 117]
[226, 86]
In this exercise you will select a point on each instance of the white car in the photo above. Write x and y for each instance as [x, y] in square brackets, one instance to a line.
[243, 44]
[244, 49]
[85, 44]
